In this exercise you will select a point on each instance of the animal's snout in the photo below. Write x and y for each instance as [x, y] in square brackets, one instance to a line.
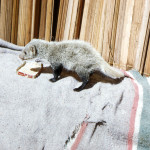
[21, 57]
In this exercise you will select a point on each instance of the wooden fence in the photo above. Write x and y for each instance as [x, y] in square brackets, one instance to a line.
[118, 29]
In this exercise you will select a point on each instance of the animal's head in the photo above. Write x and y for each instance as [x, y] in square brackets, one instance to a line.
[29, 52]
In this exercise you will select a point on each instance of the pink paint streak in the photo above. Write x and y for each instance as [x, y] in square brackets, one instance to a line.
[133, 114]
[80, 135]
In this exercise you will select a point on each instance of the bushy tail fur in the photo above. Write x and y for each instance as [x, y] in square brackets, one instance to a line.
[6, 44]
[111, 71]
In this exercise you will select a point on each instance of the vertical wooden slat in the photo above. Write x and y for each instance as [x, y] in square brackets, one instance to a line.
[135, 32]
[108, 29]
[142, 34]
[21, 24]
[126, 33]
[28, 21]
[73, 19]
[84, 20]
[14, 29]
[78, 19]
[147, 63]
[145, 48]
[119, 34]
[97, 23]
[6, 19]
[58, 30]
[33, 18]
[68, 20]
[63, 19]
[43, 19]
[94, 22]
[113, 32]
[25, 20]
[90, 20]
[49, 20]
[102, 28]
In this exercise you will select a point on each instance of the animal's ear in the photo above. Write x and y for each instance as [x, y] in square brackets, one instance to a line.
[33, 49]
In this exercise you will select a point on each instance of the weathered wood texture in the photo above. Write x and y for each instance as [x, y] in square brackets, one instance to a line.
[118, 29]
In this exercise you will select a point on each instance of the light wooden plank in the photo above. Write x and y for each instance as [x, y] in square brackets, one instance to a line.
[68, 20]
[108, 29]
[22, 23]
[58, 30]
[73, 19]
[78, 19]
[28, 21]
[101, 28]
[90, 20]
[119, 34]
[33, 18]
[84, 20]
[43, 19]
[14, 29]
[142, 34]
[97, 23]
[63, 21]
[113, 32]
[126, 33]
[145, 48]
[49, 20]
[6, 19]
[147, 63]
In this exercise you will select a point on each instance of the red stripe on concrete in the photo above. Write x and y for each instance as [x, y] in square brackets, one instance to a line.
[133, 115]
[79, 137]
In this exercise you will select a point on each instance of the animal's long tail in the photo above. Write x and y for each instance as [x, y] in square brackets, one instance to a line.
[110, 71]
[9, 45]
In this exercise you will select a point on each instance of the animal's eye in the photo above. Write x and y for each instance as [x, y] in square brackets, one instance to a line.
[25, 53]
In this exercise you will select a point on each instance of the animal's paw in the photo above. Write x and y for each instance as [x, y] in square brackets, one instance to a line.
[77, 89]
[53, 80]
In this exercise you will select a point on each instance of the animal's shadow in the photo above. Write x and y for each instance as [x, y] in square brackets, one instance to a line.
[94, 78]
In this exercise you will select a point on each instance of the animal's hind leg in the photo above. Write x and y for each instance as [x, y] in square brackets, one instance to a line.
[57, 69]
[85, 79]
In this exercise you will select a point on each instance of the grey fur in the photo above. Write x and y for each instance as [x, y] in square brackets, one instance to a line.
[73, 55]
[6, 44]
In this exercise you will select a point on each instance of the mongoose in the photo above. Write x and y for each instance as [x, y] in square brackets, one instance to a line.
[73, 55]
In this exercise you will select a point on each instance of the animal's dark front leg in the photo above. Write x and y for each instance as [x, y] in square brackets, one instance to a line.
[85, 80]
[57, 69]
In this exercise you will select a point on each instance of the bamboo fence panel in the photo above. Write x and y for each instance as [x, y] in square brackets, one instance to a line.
[136, 33]
[68, 20]
[110, 7]
[43, 19]
[126, 33]
[73, 19]
[96, 23]
[6, 19]
[14, 29]
[49, 20]
[147, 62]
[101, 28]
[119, 33]
[59, 20]
[114, 31]
[78, 19]
[118, 29]
[84, 20]
[142, 33]
[145, 48]
[28, 21]
[36, 11]
[22, 23]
